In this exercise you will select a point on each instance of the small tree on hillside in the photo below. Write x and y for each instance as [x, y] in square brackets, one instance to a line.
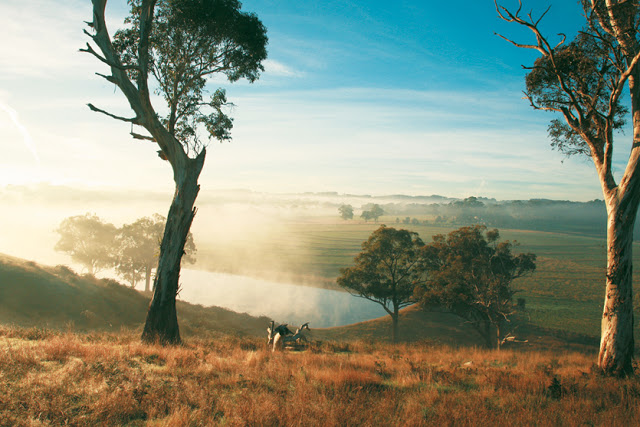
[470, 274]
[138, 247]
[386, 271]
[346, 212]
[88, 240]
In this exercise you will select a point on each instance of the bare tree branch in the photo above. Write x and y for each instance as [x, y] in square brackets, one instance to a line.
[90, 50]
[142, 137]
[133, 120]
[615, 95]
[523, 46]
[110, 79]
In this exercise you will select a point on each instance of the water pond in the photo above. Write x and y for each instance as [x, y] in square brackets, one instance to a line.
[284, 303]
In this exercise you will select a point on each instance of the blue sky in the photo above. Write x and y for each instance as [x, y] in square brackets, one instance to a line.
[361, 97]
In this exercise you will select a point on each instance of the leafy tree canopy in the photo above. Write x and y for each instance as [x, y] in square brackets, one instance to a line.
[470, 273]
[374, 212]
[579, 75]
[138, 247]
[386, 271]
[88, 241]
[346, 211]
[190, 40]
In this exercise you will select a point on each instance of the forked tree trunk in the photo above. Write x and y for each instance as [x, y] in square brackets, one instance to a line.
[162, 321]
[617, 343]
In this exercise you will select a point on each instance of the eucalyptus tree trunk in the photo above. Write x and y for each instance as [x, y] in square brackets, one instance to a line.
[617, 342]
[162, 321]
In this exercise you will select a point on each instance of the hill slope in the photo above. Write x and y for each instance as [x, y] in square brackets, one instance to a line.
[56, 297]
[32, 295]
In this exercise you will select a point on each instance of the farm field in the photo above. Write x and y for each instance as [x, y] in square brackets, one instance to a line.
[565, 292]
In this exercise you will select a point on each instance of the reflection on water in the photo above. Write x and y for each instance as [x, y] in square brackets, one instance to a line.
[283, 303]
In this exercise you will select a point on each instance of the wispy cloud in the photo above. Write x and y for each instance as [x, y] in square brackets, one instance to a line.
[276, 68]
[41, 38]
[383, 141]
[26, 137]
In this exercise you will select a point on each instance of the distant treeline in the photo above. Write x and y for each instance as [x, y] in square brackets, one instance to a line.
[535, 214]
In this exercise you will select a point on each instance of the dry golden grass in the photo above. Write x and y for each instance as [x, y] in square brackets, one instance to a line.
[57, 378]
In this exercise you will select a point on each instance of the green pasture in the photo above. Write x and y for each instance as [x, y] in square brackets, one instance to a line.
[565, 292]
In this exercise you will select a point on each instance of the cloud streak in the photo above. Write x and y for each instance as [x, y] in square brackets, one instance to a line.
[277, 68]
[26, 137]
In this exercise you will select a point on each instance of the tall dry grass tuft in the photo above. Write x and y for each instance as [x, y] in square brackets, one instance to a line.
[113, 379]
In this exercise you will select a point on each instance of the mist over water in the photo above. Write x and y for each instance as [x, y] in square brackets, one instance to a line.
[291, 239]
[284, 303]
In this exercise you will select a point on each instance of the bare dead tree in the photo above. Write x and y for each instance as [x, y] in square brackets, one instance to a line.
[584, 81]
[272, 331]
[285, 337]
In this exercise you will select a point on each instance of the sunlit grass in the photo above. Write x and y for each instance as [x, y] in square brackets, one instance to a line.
[112, 379]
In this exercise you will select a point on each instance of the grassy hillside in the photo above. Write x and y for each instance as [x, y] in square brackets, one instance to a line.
[32, 295]
[566, 291]
[224, 374]
[441, 328]
[56, 297]
[113, 379]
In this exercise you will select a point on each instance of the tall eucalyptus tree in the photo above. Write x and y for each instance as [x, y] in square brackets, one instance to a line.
[584, 81]
[179, 44]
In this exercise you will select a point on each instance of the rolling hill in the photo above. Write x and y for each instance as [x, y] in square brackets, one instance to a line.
[33, 295]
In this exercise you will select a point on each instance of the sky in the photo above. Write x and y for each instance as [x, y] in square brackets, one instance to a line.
[360, 97]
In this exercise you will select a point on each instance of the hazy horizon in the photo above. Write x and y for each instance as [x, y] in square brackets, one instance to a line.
[243, 219]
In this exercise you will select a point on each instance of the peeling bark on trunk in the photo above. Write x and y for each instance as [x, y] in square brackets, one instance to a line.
[162, 321]
[617, 343]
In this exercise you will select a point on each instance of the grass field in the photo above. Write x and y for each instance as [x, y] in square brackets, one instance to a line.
[34, 295]
[566, 291]
[224, 375]
[53, 378]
